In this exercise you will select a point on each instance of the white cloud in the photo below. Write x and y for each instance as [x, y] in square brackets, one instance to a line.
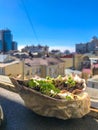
[20, 47]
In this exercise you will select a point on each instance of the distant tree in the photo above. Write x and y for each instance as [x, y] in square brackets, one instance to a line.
[67, 52]
[95, 38]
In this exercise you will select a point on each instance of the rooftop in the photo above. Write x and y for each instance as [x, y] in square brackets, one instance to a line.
[43, 61]
[10, 63]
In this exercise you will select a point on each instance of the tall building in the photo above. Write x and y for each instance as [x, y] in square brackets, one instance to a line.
[87, 47]
[6, 41]
[14, 45]
[81, 48]
[1, 46]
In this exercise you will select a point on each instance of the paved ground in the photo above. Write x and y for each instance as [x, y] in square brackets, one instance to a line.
[18, 117]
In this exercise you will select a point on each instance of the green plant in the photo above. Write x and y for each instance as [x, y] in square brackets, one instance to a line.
[33, 83]
[68, 97]
[70, 82]
[45, 87]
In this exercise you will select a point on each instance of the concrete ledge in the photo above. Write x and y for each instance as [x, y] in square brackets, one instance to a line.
[1, 116]
[93, 92]
[93, 112]
[5, 82]
[8, 87]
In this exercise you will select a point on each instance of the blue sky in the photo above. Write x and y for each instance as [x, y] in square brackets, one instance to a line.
[59, 24]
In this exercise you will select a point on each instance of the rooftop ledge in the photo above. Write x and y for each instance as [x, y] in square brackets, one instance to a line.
[6, 83]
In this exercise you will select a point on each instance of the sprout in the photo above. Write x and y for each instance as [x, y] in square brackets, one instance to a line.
[70, 81]
[66, 95]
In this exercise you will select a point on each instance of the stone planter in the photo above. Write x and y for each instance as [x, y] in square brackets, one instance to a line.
[51, 107]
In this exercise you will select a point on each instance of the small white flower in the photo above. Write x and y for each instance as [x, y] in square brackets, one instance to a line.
[52, 92]
[77, 79]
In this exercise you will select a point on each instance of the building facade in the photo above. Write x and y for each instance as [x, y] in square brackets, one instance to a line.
[1, 46]
[68, 59]
[88, 47]
[43, 67]
[39, 50]
[6, 41]
[27, 68]
[81, 48]
[14, 45]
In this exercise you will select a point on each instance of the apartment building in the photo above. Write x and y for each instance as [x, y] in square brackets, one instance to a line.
[28, 67]
[36, 51]
[47, 66]
[81, 48]
[68, 59]
[87, 47]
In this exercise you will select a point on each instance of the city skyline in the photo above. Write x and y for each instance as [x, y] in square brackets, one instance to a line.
[56, 23]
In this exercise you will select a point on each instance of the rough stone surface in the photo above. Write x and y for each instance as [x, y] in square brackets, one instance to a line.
[18, 117]
[47, 106]
[51, 107]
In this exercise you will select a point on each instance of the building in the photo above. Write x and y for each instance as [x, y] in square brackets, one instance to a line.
[37, 51]
[70, 72]
[87, 64]
[26, 67]
[88, 47]
[14, 45]
[11, 66]
[47, 66]
[6, 41]
[1, 46]
[96, 50]
[5, 58]
[68, 60]
[81, 48]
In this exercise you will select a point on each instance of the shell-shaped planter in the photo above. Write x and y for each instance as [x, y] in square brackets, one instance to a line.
[51, 107]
